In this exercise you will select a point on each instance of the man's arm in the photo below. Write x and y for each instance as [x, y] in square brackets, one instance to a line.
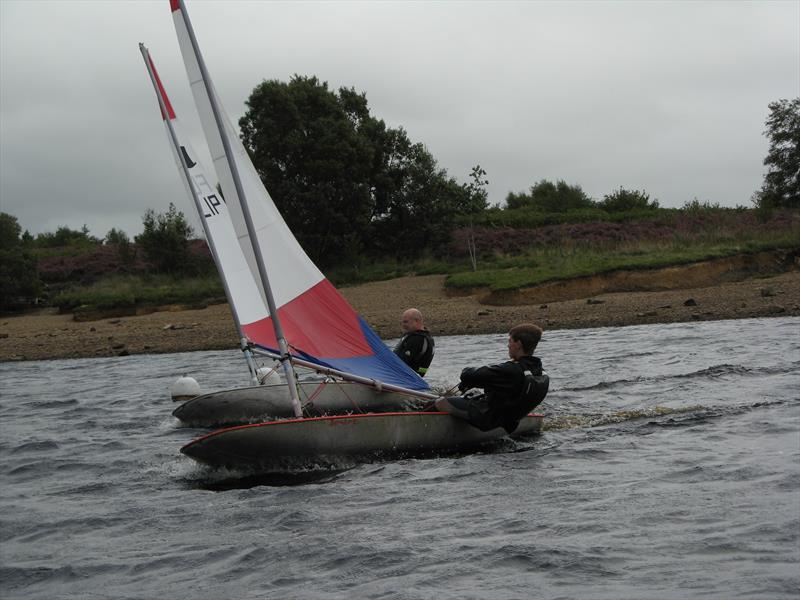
[498, 377]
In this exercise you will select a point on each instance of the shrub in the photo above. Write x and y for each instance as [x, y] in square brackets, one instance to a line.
[546, 196]
[19, 275]
[165, 240]
[64, 236]
[626, 200]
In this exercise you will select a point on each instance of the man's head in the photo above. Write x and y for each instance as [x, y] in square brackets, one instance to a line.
[411, 320]
[522, 340]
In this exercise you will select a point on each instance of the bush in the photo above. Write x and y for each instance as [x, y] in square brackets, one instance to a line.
[125, 250]
[127, 291]
[622, 200]
[64, 236]
[165, 241]
[19, 275]
[547, 196]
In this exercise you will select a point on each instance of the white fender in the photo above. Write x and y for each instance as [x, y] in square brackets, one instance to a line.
[269, 375]
[184, 388]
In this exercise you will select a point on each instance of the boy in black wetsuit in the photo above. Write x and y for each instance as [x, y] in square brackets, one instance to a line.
[416, 347]
[511, 389]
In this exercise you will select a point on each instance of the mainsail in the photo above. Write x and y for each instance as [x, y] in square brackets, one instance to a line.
[318, 323]
[240, 287]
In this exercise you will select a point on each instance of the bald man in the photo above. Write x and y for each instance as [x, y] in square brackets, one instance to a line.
[416, 346]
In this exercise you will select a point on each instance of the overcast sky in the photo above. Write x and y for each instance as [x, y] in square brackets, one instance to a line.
[669, 97]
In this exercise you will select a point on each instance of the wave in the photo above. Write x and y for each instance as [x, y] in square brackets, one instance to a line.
[712, 372]
[678, 417]
[42, 446]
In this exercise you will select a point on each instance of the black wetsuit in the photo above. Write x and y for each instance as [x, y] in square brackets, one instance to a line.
[511, 390]
[416, 350]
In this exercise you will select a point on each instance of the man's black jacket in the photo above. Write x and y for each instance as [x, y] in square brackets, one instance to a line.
[505, 400]
[416, 350]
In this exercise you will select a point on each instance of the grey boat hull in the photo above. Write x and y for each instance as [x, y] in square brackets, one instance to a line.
[260, 403]
[338, 440]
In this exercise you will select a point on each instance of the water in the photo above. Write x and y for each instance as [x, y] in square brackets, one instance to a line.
[670, 469]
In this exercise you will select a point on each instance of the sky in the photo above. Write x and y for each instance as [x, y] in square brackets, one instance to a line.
[665, 97]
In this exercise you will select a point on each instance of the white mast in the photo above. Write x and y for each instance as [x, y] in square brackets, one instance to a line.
[273, 311]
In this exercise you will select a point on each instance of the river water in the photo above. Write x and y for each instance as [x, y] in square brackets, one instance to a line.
[670, 468]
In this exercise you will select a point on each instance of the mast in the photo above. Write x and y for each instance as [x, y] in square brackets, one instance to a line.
[167, 114]
[273, 311]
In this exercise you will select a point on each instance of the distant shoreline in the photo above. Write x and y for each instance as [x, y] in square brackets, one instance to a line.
[46, 335]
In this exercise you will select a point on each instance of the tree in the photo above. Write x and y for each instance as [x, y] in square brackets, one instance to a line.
[622, 200]
[9, 231]
[307, 147]
[64, 236]
[781, 187]
[125, 250]
[165, 240]
[546, 196]
[19, 276]
[476, 190]
[695, 206]
[116, 237]
[345, 182]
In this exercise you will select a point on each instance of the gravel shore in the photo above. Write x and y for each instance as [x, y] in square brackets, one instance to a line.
[47, 335]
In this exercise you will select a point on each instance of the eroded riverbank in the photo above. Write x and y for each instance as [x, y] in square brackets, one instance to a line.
[46, 335]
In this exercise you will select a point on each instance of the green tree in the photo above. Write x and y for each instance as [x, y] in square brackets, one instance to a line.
[165, 241]
[116, 236]
[622, 200]
[9, 231]
[19, 276]
[781, 187]
[307, 147]
[546, 196]
[64, 236]
[422, 202]
[695, 206]
[478, 197]
[125, 250]
[345, 182]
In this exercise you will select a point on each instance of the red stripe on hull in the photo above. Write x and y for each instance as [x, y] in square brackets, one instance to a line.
[319, 322]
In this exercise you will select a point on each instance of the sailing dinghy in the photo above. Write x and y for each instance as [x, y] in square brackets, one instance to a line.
[341, 338]
[299, 318]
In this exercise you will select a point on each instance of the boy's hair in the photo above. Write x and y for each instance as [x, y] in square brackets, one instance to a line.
[528, 334]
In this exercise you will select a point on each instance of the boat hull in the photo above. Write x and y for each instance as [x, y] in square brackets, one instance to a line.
[239, 406]
[330, 441]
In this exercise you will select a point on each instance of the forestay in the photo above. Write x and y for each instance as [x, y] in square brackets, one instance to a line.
[318, 323]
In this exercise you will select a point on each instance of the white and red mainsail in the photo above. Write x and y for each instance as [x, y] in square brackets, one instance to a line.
[318, 323]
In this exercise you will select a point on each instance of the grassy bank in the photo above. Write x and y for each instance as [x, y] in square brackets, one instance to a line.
[136, 291]
[501, 259]
[540, 266]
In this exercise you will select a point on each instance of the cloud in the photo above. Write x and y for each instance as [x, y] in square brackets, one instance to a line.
[666, 97]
